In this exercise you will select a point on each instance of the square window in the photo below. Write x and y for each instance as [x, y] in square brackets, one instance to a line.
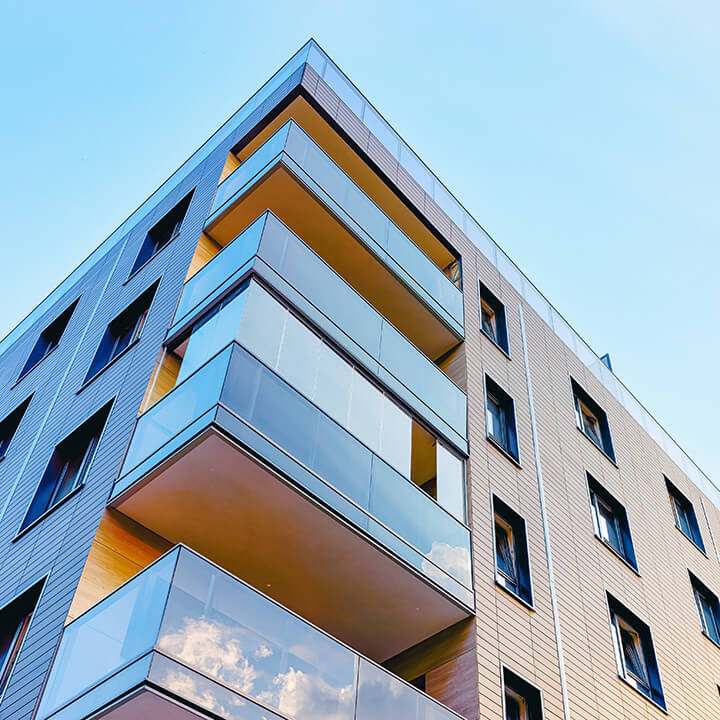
[684, 515]
[522, 700]
[512, 560]
[708, 609]
[49, 338]
[68, 466]
[162, 232]
[500, 418]
[635, 652]
[592, 420]
[493, 322]
[122, 332]
[610, 521]
[14, 623]
[10, 424]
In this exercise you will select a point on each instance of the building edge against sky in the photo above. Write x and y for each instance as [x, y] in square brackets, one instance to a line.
[312, 54]
[300, 441]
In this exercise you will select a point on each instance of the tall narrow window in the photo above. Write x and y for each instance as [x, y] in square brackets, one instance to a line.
[522, 700]
[592, 420]
[9, 425]
[493, 322]
[68, 466]
[49, 338]
[500, 418]
[708, 609]
[635, 652]
[610, 521]
[122, 332]
[14, 623]
[512, 562]
[684, 515]
[162, 232]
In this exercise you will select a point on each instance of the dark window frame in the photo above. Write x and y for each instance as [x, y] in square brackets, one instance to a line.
[68, 467]
[517, 581]
[682, 507]
[598, 495]
[602, 438]
[9, 425]
[23, 607]
[48, 339]
[633, 646]
[499, 334]
[126, 326]
[706, 603]
[497, 397]
[529, 697]
[162, 232]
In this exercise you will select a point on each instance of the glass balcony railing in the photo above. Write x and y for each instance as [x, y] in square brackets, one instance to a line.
[186, 626]
[374, 228]
[354, 323]
[316, 452]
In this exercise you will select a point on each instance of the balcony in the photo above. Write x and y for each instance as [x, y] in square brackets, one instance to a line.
[270, 250]
[273, 475]
[184, 639]
[292, 176]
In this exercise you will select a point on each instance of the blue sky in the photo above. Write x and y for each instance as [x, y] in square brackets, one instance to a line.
[583, 135]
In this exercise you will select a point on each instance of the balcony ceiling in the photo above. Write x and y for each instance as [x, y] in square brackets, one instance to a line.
[215, 498]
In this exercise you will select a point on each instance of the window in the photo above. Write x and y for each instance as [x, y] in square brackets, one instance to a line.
[634, 652]
[512, 562]
[122, 332]
[162, 232]
[9, 425]
[453, 272]
[49, 338]
[522, 700]
[684, 515]
[592, 420]
[14, 622]
[708, 609]
[500, 418]
[492, 319]
[68, 466]
[610, 521]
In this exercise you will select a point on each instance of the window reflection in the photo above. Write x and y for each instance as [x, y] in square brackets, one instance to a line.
[229, 632]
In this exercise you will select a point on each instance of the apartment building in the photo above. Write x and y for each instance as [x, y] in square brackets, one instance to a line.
[299, 441]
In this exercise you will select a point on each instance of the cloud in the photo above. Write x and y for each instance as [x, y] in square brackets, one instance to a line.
[215, 650]
[454, 560]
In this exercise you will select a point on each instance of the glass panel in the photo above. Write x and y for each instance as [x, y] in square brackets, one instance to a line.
[423, 378]
[334, 381]
[204, 692]
[110, 635]
[383, 697]
[263, 325]
[450, 482]
[343, 462]
[229, 632]
[416, 518]
[366, 403]
[285, 417]
[177, 410]
[219, 269]
[213, 332]
[396, 440]
[299, 353]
